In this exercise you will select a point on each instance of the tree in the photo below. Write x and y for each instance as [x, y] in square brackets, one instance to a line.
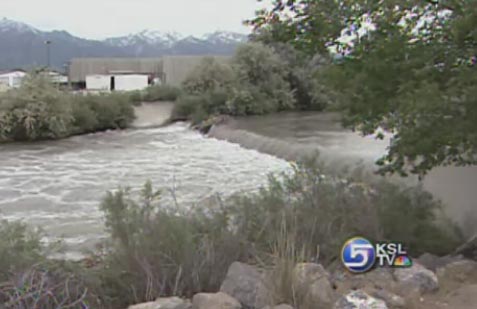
[408, 66]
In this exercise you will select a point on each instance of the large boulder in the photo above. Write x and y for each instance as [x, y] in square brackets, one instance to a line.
[164, 303]
[379, 278]
[391, 299]
[282, 306]
[416, 279]
[359, 300]
[246, 284]
[313, 282]
[433, 262]
[214, 301]
[464, 297]
[463, 271]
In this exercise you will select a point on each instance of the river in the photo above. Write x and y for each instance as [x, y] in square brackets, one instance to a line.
[294, 135]
[58, 185]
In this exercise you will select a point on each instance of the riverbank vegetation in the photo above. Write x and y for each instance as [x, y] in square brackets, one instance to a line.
[156, 93]
[39, 111]
[260, 79]
[409, 67]
[158, 249]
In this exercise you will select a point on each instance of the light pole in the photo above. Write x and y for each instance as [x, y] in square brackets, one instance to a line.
[48, 43]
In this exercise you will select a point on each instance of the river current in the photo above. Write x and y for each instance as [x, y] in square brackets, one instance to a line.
[58, 185]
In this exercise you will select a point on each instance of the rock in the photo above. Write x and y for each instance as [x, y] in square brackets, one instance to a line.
[464, 297]
[246, 284]
[416, 278]
[359, 300]
[314, 282]
[164, 303]
[282, 306]
[214, 301]
[459, 271]
[393, 300]
[433, 262]
[379, 278]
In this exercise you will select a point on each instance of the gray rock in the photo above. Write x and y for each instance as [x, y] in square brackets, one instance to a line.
[379, 278]
[464, 297]
[164, 303]
[393, 300]
[416, 278]
[282, 306]
[459, 271]
[433, 262]
[214, 301]
[313, 281]
[359, 300]
[246, 284]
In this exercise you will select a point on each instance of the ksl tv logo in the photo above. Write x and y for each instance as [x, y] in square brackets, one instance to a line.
[360, 255]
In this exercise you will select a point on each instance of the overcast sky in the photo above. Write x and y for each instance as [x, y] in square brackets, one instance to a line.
[98, 19]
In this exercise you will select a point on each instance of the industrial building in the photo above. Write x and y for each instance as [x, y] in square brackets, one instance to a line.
[109, 74]
[11, 79]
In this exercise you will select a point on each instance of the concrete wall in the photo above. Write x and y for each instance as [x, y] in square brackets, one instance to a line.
[177, 68]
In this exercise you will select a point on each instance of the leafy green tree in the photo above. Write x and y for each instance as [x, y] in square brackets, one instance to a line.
[408, 66]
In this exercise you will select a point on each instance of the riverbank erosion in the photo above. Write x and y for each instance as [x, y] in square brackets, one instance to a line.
[298, 135]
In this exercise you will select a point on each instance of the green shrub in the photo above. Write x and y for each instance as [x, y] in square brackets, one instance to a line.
[20, 247]
[36, 110]
[161, 93]
[159, 250]
[136, 97]
[39, 111]
[209, 76]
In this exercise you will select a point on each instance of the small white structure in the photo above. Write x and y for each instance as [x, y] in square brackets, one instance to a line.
[56, 77]
[98, 82]
[131, 82]
[119, 82]
[12, 79]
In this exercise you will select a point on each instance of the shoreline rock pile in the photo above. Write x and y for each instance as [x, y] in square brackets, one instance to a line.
[432, 282]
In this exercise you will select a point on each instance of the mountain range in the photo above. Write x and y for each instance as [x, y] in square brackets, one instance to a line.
[23, 46]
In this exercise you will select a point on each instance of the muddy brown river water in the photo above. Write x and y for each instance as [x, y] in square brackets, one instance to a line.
[58, 185]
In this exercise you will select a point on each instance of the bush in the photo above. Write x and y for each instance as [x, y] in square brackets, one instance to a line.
[262, 75]
[209, 76]
[39, 111]
[302, 216]
[157, 252]
[28, 279]
[36, 110]
[161, 93]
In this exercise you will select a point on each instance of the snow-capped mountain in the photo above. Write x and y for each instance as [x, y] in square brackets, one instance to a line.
[23, 46]
[7, 25]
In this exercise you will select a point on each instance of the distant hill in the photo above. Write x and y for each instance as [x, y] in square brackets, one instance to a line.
[23, 46]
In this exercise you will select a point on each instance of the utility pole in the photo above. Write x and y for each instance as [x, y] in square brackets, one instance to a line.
[48, 43]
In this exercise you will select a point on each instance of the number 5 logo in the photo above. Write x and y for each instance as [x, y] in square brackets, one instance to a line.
[358, 255]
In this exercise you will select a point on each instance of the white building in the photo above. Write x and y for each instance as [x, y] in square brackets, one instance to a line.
[12, 79]
[119, 82]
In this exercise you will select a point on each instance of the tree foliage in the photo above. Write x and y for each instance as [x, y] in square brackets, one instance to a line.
[409, 67]
[39, 111]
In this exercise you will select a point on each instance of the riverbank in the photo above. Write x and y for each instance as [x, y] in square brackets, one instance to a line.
[297, 135]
